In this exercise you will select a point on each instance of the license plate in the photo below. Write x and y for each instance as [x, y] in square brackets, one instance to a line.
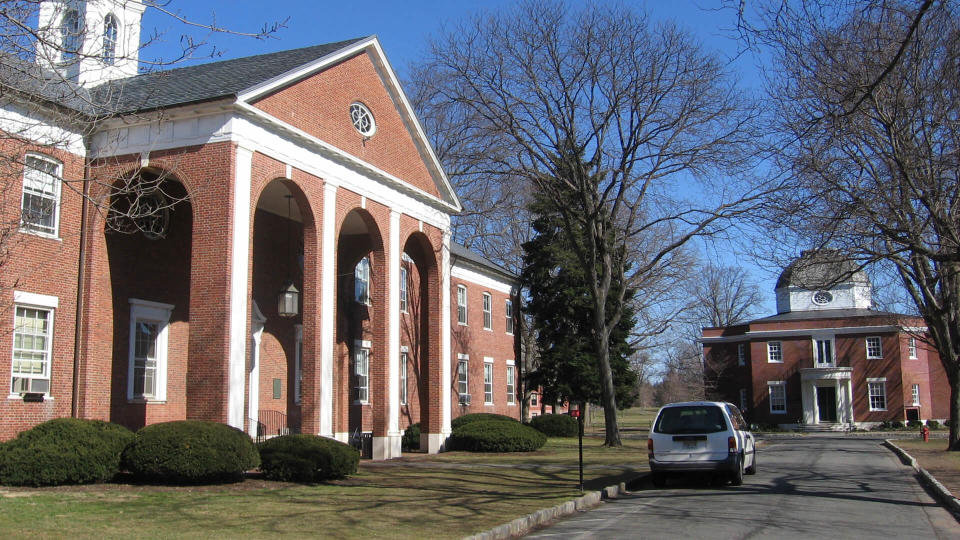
[690, 444]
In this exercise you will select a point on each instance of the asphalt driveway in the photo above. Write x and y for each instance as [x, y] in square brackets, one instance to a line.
[813, 487]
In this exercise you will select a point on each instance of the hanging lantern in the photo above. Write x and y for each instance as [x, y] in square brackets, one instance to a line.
[288, 302]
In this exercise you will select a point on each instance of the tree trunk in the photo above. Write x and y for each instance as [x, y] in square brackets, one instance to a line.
[612, 430]
[954, 421]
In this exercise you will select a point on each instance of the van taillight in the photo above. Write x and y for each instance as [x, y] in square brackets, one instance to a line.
[732, 445]
[650, 448]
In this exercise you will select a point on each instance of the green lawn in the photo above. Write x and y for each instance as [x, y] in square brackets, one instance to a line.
[637, 419]
[446, 496]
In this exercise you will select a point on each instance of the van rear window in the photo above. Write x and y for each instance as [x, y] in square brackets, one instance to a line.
[690, 419]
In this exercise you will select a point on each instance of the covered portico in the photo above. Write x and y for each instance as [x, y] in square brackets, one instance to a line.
[827, 396]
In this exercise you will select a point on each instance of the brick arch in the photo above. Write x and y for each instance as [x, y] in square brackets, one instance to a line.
[277, 245]
[359, 235]
[420, 332]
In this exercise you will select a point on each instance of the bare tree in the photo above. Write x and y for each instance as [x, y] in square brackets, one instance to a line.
[625, 114]
[721, 296]
[865, 102]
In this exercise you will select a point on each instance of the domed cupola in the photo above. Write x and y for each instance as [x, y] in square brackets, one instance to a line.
[822, 279]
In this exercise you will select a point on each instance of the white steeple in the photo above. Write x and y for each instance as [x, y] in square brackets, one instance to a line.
[90, 41]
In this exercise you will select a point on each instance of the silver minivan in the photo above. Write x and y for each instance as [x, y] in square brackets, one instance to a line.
[701, 436]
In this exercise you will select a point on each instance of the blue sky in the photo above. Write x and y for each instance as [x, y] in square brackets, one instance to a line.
[404, 29]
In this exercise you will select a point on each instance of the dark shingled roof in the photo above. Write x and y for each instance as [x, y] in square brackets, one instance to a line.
[206, 82]
[821, 269]
[462, 252]
[827, 314]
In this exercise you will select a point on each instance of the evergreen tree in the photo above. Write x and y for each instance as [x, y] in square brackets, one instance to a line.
[561, 309]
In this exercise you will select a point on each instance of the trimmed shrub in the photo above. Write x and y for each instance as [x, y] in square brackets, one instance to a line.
[933, 424]
[914, 423]
[476, 417]
[307, 458]
[411, 438]
[896, 424]
[191, 452]
[496, 436]
[64, 451]
[556, 425]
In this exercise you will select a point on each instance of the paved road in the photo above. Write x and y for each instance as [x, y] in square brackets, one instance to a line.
[805, 488]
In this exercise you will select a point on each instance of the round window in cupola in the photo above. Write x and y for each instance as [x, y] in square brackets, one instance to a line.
[822, 298]
[362, 119]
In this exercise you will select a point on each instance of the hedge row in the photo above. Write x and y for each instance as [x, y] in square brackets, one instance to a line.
[556, 425]
[75, 451]
[496, 436]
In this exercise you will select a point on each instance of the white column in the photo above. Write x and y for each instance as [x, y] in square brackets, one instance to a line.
[393, 442]
[253, 408]
[328, 280]
[239, 261]
[436, 444]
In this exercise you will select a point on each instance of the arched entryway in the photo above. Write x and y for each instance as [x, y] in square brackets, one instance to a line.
[149, 239]
[419, 339]
[276, 397]
[361, 348]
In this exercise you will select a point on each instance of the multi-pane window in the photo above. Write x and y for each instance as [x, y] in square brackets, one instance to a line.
[743, 400]
[912, 348]
[742, 354]
[361, 372]
[109, 39]
[41, 194]
[508, 310]
[874, 349]
[774, 351]
[462, 372]
[403, 289]
[878, 394]
[32, 333]
[487, 313]
[915, 394]
[145, 374]
[461, 304]
[148, 350]
[533, 399]
[511, 385]
[361, 281]
[403, 377]
[823, 352]
[778, 397]
[71, 34]
[488, 382]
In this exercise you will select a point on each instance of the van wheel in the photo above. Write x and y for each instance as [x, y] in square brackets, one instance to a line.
[752, 469]
[659, 479]
[736, 476]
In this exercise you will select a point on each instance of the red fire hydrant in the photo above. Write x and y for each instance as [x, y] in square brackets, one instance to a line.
[925, 433]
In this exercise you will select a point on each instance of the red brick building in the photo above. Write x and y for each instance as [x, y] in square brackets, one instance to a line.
[300, 172]
[827, 359]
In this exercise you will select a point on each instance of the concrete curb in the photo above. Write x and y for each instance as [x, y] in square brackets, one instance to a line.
[525, 524]
[941, 492]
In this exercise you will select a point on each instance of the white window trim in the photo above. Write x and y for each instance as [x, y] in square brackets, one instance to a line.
[37, 301]
[57, 197]
[833, 350]
[365, 346]
[404, 273]
[877, 380]
[912, 348]
[915, 395]
[365, 276]
[741, 354]
[512, 395]
[866, 344]
[770, 359]
[159, 313]
[781, 384]
[488, 363]
[402, 376]
[462, 305]
[508, 313]
[487, 306]
[466, 374]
